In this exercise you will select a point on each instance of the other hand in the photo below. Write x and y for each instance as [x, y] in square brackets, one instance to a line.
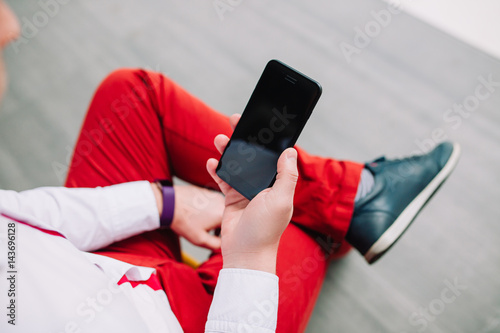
[198, 211]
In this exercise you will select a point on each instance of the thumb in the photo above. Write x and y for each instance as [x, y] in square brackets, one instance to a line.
[287, 174]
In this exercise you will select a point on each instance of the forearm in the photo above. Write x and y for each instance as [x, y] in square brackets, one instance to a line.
[89, 217]
[155, 187]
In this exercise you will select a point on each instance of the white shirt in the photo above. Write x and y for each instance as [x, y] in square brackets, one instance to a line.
[51, 284]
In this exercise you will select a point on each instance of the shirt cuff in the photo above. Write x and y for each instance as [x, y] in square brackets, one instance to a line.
[244, 301]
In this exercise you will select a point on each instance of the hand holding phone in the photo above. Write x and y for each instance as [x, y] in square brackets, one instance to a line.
[271, 122]
[251, 230]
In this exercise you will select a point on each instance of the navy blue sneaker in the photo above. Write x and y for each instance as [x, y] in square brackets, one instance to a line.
[402, 188]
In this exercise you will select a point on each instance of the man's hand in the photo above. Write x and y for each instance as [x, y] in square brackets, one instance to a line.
[198, 211]
[251, 230]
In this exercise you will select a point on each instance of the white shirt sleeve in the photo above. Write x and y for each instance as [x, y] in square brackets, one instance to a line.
[90, 218]
[244, 301]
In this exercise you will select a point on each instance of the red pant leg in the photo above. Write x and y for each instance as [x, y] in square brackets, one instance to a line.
[324, 196]
[142, 126]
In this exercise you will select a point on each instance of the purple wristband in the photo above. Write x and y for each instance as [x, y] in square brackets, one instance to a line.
[167, 215]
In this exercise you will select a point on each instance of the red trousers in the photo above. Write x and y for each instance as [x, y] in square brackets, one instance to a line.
[142, 126]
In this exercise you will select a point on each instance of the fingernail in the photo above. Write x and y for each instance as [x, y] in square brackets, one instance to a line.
[291, 154]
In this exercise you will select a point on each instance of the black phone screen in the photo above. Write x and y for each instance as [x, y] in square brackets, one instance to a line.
[271, 122]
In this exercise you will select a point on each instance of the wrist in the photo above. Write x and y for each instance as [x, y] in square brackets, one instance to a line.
[158, 197]
[260, 261]
[165, 200]
[167, 214]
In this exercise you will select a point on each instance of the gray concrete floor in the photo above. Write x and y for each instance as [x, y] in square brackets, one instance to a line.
[390, 99]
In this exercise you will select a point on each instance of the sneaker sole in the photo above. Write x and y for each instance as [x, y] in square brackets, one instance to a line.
[392, 234]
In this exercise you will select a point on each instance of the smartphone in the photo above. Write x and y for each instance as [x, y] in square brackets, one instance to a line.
[276, 113]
